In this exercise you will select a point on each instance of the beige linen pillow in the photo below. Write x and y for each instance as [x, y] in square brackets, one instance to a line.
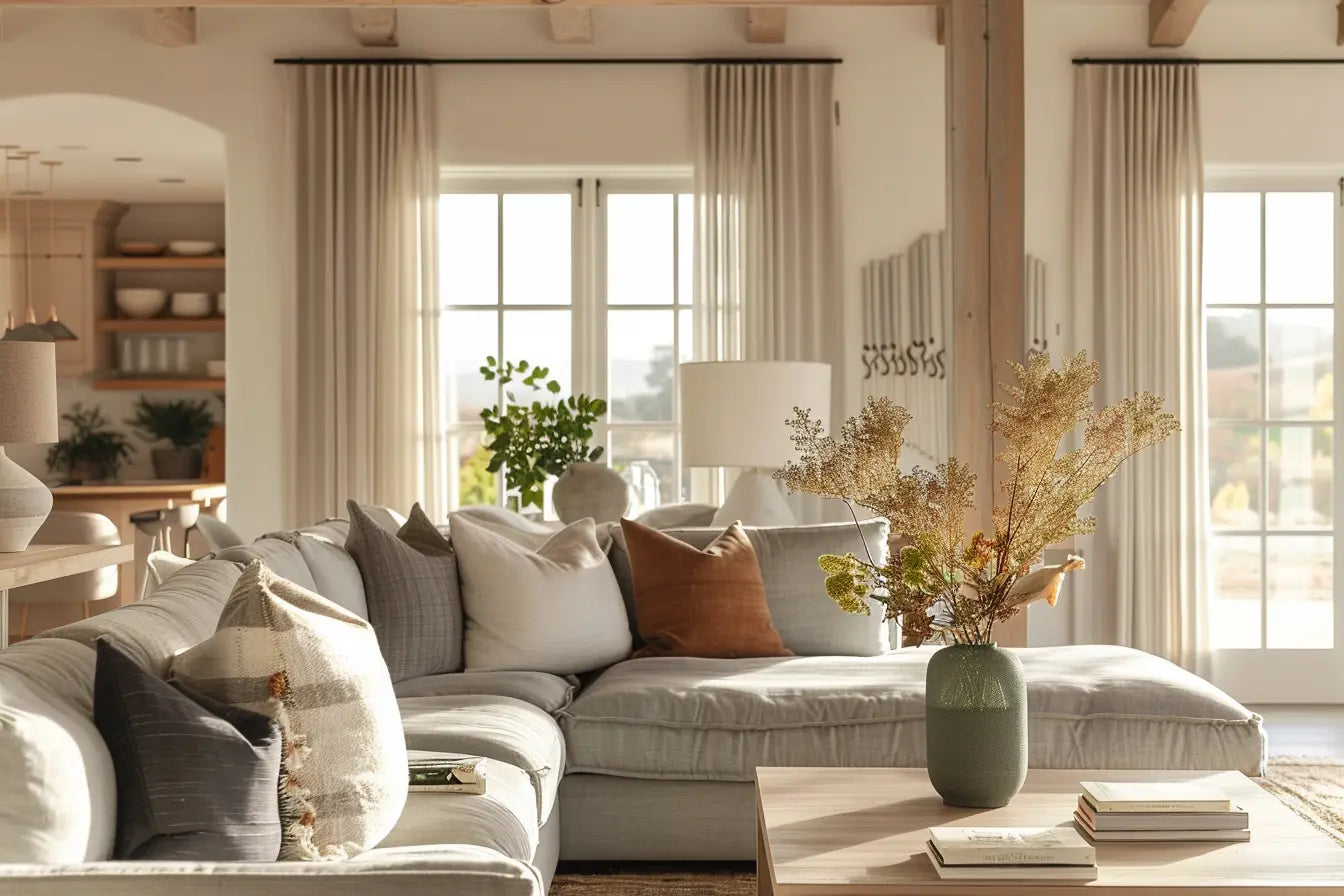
[315, 668]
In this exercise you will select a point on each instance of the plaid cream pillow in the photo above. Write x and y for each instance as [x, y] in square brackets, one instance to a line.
[315, 669]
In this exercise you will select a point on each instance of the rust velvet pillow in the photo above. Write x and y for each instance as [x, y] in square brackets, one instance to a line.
[691, 602]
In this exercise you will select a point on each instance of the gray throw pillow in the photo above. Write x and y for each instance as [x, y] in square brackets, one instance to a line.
[196, 780]
[808, 621]
[411, 588]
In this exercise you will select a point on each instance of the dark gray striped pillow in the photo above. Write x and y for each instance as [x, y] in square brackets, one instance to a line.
[196, 780]
[412, 592]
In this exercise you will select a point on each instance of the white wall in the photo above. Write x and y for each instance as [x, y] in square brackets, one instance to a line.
[890, 88]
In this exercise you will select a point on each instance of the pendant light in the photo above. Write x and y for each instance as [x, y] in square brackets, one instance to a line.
[55, 329]
[30, 330]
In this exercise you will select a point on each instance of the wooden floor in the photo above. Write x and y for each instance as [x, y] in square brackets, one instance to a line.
[1304, 730]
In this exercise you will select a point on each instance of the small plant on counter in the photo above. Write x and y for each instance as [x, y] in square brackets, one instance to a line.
[93, 450]
[182, 423]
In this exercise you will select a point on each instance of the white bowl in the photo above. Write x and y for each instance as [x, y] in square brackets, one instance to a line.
[141, 303]
[193, 247]
[216, 369]
[191, 304]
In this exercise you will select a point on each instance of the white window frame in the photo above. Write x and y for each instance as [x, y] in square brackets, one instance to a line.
[1265, 674]
[588, 306]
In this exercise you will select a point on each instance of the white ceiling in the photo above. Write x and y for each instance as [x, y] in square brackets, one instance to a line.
[170, 145]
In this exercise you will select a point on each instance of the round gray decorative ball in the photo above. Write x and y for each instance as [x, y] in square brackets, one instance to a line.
[590, 490]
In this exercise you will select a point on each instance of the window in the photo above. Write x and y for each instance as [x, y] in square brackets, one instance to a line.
[588, 277]
[1269, 294]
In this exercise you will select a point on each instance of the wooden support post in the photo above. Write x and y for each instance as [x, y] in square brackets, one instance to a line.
[571, 24]
[986, 173]
[375, 26]
[767, 24]
[169, 26]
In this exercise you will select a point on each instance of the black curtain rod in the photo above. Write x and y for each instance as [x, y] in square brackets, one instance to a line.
[1175, 60]
[405, 60]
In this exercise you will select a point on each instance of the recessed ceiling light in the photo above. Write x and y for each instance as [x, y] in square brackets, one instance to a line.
[128, 159]
[172, 180]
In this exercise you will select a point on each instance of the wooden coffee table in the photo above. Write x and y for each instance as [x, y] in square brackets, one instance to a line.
[861, 832]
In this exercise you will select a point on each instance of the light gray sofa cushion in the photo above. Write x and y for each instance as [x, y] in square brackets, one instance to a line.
[411, 585]
[545, 691]
[335, 574]
[394, 871]
[281, 557]
[809, 622]
[498, 728]
[718, 720]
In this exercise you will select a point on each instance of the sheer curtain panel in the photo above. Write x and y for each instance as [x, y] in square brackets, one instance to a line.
[1138, 192]
[366, 411]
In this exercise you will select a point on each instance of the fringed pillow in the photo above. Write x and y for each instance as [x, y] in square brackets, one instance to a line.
[315, 669]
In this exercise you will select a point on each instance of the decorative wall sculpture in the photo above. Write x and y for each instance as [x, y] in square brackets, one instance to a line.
[906, 353]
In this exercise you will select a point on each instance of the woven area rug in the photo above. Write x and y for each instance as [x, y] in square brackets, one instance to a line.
[656, 879]
[1313, 787]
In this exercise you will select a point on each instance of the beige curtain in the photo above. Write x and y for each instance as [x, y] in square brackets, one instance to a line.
[769, 285]
[366, 410]
[1138, 193]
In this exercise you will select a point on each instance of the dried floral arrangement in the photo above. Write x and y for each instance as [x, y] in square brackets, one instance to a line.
[943, 582]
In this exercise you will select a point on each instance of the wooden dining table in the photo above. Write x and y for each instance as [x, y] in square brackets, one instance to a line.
[118, 500]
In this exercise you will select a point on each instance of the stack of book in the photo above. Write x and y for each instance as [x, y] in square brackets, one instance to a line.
[443, 773]
[1156, 811]
[1038, 854]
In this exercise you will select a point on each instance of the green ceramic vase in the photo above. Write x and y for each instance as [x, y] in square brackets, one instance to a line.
[976, 725]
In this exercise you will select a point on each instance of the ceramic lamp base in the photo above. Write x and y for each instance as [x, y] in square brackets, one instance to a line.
[755, 500]
[25, 504]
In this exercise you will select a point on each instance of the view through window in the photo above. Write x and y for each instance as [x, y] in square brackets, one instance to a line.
[1269, 295]
[588, 277]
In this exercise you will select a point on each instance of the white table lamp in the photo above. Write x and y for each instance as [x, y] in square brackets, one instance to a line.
[27, 416]
[735, 413]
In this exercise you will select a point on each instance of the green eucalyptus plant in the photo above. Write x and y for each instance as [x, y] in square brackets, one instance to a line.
[92, 448]
[182, 423]
[534, 440]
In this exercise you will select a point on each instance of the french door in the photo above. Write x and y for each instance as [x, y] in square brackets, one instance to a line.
[1272, 274]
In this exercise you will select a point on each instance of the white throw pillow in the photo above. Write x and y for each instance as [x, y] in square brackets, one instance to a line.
[316, 669]
[556, 608]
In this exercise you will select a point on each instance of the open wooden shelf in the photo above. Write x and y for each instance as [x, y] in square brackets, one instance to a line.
[160, 263]
[137, 384]
[161, 325]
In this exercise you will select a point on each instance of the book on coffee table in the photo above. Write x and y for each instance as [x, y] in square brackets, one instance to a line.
[1000, 872]
[1235, 820]
[1240, 835]
[1011, 846]
[1153, 796]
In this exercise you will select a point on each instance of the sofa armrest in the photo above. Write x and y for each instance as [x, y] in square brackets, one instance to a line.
[396, 871]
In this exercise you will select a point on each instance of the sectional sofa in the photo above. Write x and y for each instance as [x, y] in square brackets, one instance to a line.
[648, 759]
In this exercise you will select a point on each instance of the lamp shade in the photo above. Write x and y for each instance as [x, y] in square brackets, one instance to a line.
[27, 392]
[735, 413]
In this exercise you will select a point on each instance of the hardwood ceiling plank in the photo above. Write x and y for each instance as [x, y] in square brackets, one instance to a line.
[1170, 22]
[571, 24]
[767, 24]
[168, 26]
[317, 4]
[375, 26]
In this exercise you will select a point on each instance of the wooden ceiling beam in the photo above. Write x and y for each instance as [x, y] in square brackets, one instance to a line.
[571, 24]
[375, 26]
[168, 26]
[767, 24]
[1170, 22]
[318, 4]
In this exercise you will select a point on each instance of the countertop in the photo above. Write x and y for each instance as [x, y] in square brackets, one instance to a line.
[148, 488]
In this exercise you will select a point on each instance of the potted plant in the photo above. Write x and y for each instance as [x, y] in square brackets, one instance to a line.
[93, 451]
[533, 441]
[945, 584]
[184, 424]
